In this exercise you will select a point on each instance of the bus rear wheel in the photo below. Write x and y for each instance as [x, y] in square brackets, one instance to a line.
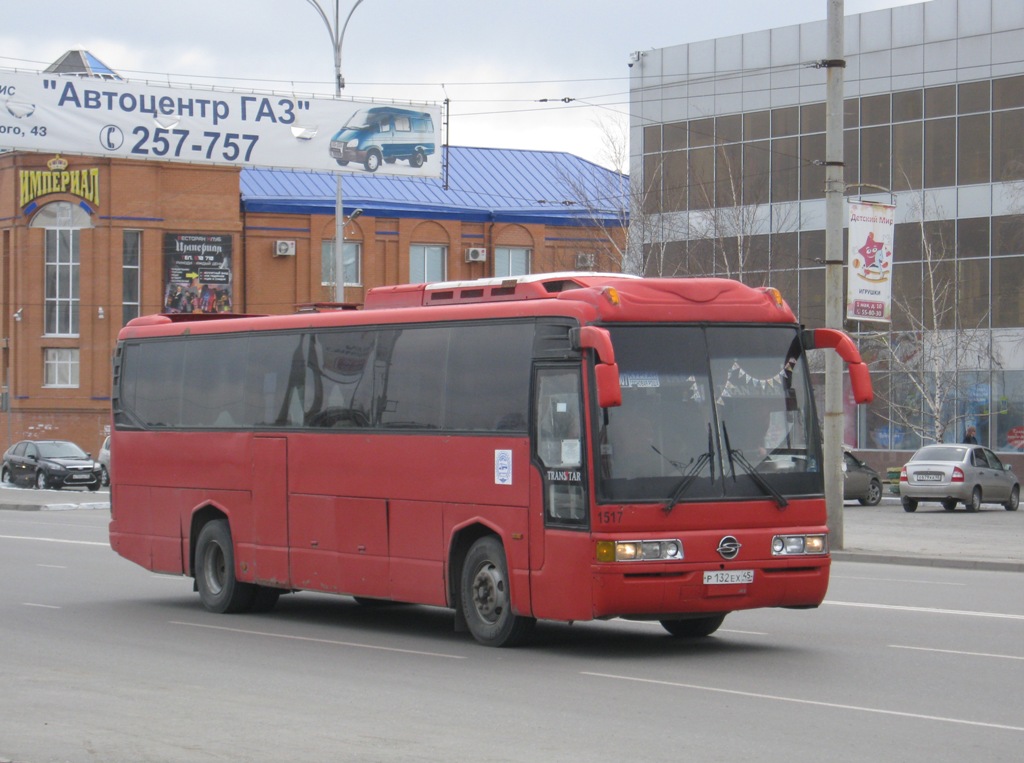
[219, 590]
[485, 596]
[697, 627]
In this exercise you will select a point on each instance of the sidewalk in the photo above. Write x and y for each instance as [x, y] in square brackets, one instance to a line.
[991, 539]
[27, 499]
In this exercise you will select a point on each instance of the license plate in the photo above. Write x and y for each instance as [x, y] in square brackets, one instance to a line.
[929, 477]
[79, 476]
[728, 577]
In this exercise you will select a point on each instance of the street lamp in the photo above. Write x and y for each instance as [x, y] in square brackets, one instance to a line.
[336, 32]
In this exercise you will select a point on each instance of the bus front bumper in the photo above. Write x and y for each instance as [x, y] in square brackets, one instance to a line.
[664, 590]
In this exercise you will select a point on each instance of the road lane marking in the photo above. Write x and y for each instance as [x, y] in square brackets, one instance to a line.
[815, 703]
[743, 633]
[318, 640]
[53, 566]
[40, 606]
[957, 651]
[896, 580]
[55, 540]
[927, 610]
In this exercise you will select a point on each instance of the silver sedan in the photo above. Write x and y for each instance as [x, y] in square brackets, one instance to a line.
[952, 474]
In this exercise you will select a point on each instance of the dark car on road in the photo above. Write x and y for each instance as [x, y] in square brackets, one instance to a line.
[49, 464]
[860, 481]
[952, 474]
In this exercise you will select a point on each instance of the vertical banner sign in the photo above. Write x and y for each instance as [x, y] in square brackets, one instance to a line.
[197, 273]
[869, 262]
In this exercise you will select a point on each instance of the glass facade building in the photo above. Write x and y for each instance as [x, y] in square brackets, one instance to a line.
[727, 166]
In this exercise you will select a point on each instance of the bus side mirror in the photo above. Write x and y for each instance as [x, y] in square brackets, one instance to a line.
[609, 391]
[860, 377]
[606, 370]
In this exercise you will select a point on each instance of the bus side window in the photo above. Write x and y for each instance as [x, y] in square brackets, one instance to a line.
[268, 387]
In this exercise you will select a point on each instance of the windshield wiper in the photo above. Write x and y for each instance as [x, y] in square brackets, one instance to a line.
[684, 484]
[749, 468]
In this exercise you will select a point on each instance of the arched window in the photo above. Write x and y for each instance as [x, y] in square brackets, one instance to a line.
[62, 221]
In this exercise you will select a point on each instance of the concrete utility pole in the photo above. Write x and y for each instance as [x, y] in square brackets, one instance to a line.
[834, 256]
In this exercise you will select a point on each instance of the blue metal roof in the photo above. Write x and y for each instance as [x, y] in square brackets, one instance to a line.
[484, 184]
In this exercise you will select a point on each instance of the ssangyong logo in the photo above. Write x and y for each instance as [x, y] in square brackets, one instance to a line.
[728, 547]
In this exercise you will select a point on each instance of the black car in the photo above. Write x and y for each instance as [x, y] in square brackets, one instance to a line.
[860, 481]
[49, 464]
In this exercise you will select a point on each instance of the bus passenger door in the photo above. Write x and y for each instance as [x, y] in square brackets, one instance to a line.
[560, 588]
[269, 530]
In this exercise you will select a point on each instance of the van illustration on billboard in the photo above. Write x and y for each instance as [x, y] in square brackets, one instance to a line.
[384, 133]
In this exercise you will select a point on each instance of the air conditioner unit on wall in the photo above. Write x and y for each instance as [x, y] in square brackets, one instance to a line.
[585, 260]
[476, 254]
[284, 248]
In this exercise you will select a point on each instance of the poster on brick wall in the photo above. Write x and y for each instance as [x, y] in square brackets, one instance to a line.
[197, 273]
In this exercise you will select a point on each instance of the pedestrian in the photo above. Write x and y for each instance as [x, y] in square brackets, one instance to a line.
[970, 436]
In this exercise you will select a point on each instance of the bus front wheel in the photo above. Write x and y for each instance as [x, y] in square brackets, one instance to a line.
[219, 590]
[698, 627]
[486, 599]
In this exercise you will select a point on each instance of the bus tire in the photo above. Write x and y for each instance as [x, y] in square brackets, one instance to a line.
[697, 627]
[265, 598]
[219, 590]
[486, 599]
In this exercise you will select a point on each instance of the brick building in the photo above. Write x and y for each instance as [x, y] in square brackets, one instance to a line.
[88, 243]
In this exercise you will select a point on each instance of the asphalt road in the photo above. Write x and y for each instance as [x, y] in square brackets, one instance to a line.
[102, 660]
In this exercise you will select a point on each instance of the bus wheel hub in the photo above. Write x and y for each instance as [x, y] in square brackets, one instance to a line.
[488, 592]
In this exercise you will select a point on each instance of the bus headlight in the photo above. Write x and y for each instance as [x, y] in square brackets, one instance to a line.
[639, 550]
[799, 545]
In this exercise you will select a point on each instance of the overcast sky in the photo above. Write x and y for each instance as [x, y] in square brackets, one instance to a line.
[495, 61]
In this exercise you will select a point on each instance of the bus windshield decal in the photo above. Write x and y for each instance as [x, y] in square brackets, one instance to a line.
[639, 379]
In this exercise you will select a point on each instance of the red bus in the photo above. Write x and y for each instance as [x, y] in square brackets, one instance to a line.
[562, 446]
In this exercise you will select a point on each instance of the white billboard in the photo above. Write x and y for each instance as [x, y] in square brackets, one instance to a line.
[50, 113]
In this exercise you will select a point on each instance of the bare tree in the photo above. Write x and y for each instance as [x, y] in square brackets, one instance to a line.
[731, 215]
[627, 218]
[928, 365]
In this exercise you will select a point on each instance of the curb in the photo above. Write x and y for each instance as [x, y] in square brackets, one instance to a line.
[874, 557]
[51, 507]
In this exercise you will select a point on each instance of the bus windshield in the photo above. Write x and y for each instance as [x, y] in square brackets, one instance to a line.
[709, 412]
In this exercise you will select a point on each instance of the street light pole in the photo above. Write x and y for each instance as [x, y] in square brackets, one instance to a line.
[337, 35]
